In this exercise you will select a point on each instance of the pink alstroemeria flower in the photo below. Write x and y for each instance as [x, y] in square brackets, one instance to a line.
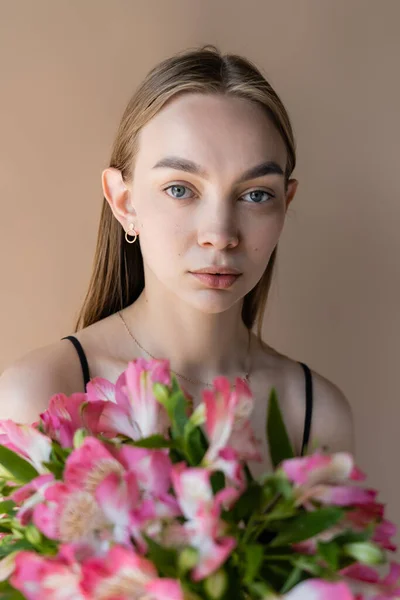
[326, 479]
[152, 469]
[26, 441]
[29, 495]
[73, 512]
[119, 499]
[366, 583]
[136, 412]
[43, 578]
[123, 574]
[318, 589]
[382, 534]
[89, 464]
[66, 414]
[130, 485]
[68, 514]
[335, 469]
[227, 420]
[204, 528]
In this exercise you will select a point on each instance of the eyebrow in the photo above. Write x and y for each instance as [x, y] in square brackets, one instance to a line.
[269, 167]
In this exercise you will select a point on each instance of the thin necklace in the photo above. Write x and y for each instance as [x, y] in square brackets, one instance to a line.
[196, 381]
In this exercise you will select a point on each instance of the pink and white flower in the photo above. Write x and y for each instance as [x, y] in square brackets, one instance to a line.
[26, 441]
[66, 414]
[204, 529]
[318, 589]
[43, 578]
[227, 420]
[124, 575]
[136, 412]
[90, 464]
[366, 582]
[68, 514]
[152, 469]
[334, 469]
[119, 499]
[29, 495]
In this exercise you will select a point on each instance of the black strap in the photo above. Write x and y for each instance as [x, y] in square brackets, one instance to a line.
[82, 357]
[309, 408]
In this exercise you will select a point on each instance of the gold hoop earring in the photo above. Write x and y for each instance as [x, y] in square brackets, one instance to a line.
[131, 233]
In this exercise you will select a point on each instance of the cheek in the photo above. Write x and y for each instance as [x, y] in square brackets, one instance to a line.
[264, 238]
[161, 239]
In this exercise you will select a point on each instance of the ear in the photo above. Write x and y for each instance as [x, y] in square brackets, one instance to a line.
[292, 188]
[118, 196]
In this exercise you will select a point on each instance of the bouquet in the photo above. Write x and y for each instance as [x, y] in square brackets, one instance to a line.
[125, 493]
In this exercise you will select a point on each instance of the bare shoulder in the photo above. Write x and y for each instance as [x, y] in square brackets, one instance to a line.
[332, 423]
[27, 385]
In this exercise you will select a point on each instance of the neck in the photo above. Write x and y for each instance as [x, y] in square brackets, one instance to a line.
[199, 346]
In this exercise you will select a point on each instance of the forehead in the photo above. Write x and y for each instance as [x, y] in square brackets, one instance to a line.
[222, 133]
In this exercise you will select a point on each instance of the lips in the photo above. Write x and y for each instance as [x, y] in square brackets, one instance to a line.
[218, 270]
[217, 281]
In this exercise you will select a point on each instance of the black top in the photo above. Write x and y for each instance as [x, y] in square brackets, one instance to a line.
[307, 374]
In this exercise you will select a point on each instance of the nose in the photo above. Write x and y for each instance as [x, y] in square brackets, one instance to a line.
[218, 229]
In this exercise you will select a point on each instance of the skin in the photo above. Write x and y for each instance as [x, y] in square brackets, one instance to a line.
[208, 218]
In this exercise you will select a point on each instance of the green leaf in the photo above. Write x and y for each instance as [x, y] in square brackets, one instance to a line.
[175, 404]
[349, 536]
[7, 506]
[262, 590]
[248, 503]
[292, 580]
[9, 593]
[195, 446]
[330, 553]
[165, 559]
[279, 444]
[217, 480]
[8, 545]
[21, 470]
[307, 525]
[55, 468]
[254, 557]
[153, 441]
[309, 564]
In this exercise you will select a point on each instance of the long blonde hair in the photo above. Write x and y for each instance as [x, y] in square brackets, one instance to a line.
[118, 276]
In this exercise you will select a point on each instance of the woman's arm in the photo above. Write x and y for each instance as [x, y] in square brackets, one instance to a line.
[332, 422]
[27, 385]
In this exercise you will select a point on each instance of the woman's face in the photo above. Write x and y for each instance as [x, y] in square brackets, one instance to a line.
[197, 204]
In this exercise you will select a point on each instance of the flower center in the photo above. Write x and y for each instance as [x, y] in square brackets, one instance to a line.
[104, 467]
[80, 517]
[123, 585]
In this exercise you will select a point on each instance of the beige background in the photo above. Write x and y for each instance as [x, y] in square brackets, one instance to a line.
[67, 71]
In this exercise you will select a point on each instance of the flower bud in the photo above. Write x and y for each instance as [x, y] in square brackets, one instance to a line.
[216, 584]
[33, 535]
[365, 553]
[161, 393]
[188, 559]
[79, 437]
[198, 416]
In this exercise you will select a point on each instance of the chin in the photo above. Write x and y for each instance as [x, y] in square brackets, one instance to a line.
[212, 302]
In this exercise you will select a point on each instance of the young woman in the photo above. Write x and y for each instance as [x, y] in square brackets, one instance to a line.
[195, 198]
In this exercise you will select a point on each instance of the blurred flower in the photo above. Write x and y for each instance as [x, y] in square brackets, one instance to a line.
[124, 575]
[43, 578]
[204, 529]
[26, 441]
[136, 411]
[66, 414]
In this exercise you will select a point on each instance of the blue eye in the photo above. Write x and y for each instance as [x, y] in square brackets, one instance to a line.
[180, 188]
[257, 196]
